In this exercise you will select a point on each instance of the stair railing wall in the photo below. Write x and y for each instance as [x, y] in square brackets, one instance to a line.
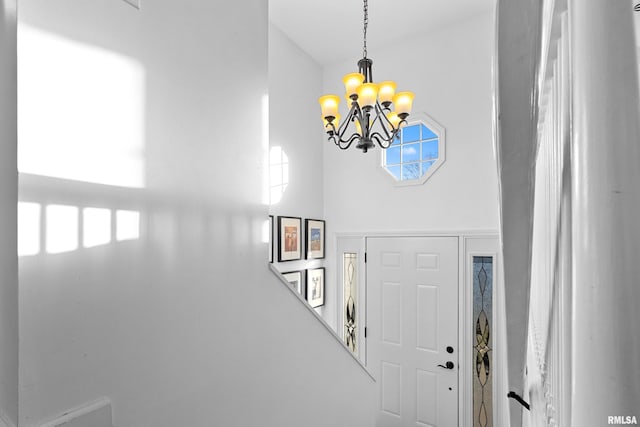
[546, 383]
[582, 350]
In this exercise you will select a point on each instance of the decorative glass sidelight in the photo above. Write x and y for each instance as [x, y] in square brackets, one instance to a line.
[350, 301]
[482, 358]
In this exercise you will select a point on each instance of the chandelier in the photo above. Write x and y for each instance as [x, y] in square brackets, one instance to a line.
[370, 107]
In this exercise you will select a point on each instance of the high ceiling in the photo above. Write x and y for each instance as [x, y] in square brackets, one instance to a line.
[331, 30]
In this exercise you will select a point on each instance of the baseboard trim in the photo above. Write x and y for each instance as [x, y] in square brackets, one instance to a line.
[76, 414]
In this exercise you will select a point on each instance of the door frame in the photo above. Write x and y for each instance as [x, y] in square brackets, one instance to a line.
[470, 243]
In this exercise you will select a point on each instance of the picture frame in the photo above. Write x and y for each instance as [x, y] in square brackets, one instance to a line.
[271, 242]
[295, 280]
[289, 238]
[314, 238]
[315, 287]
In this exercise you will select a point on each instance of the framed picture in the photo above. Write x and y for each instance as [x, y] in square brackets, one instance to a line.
[315, 286]
[295, 280]
[314, 242]
[270, 238]
[289, 238]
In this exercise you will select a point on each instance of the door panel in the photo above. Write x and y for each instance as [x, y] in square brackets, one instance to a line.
[391, 313]
[412, 317]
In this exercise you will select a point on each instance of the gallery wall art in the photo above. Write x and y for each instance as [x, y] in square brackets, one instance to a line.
[286, 244]
[315, 237]
[289, 238]
[295, 280]
[315, 286]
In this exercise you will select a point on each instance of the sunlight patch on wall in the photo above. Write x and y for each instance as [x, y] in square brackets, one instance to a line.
[128, 225]
[61, 228]
[28, 228]
[80, 111]
[58, 227]
[96, 227]
[278, 174]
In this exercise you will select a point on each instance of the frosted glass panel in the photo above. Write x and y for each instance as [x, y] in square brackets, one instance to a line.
[482, 357]
[350, 300]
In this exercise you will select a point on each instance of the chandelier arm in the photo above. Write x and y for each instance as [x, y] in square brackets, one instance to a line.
[384, 121]
[365, 126]
[338, 137]
[381, 140]
[343, 144]
[331, 127]
[377, 115]
[384, 144]
[353, 112]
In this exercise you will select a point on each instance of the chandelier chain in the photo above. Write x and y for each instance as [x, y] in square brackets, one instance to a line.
[366, 24]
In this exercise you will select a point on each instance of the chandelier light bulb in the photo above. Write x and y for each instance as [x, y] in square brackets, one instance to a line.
[394, 119]
[367, 95]
[329, 104]
[386, 93]
[403, 101]
[352, 82]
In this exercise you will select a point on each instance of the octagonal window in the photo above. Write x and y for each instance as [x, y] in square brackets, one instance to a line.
[416, 153]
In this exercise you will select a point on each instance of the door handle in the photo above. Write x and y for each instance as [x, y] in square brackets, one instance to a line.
[448, 365]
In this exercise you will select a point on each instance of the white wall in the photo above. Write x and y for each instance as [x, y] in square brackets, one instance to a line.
[184, 325]
[295, 83]
[8, 194]
[450, 73]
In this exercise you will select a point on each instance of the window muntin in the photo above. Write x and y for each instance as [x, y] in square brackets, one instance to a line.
[416, 153]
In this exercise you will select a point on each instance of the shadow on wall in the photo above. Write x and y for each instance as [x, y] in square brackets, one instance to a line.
[57, 216]
[58, 228]
[82, 154]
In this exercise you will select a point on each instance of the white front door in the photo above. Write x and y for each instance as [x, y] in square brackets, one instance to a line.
[412, 329]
